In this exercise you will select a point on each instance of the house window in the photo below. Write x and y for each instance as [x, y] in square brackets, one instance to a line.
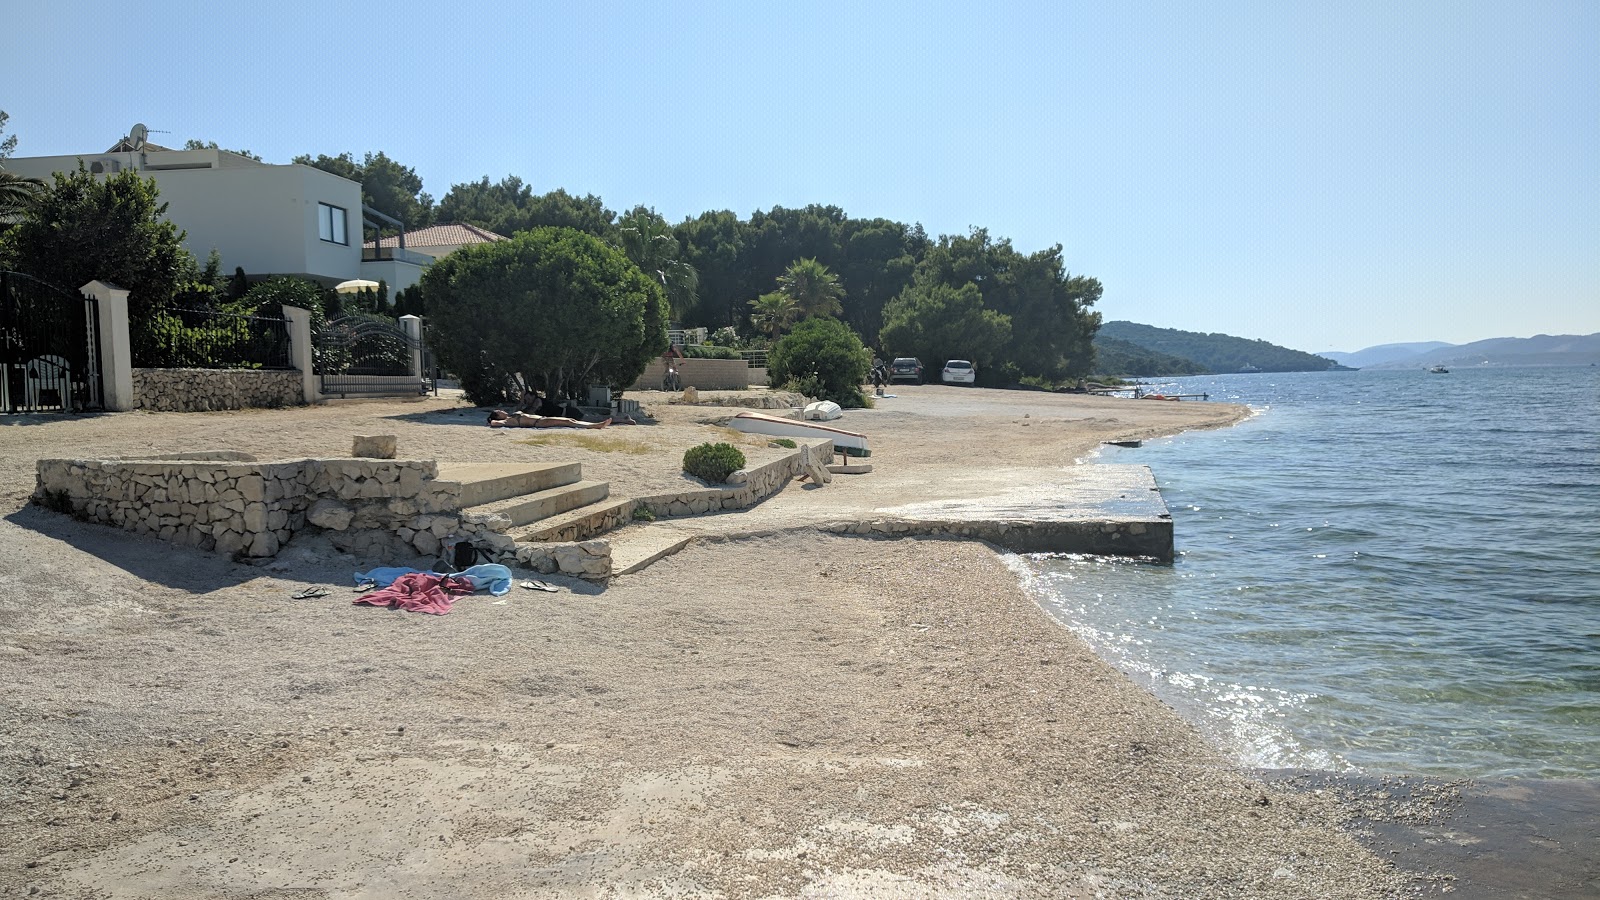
[330, 224]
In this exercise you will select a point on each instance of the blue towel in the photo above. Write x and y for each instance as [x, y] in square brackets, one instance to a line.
[383, 577]
[496, 579]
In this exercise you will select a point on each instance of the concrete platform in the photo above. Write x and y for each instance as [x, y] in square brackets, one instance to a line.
[1111, 510]
[483, 483]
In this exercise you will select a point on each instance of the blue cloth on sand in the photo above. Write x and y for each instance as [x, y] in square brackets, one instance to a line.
[489, 576]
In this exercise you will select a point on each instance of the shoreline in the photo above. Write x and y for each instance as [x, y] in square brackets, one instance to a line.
[760, 716]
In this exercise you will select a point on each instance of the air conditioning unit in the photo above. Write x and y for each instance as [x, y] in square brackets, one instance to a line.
[104, 166]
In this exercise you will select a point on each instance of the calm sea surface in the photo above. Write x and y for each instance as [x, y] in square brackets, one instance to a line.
[1381, 571]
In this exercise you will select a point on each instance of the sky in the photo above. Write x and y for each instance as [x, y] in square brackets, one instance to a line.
[1324, 176]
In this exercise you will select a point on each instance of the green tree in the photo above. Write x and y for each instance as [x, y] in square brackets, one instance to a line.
[192, 144]
[386, 186]
[17, 194]
[773, 313]
[822, 358]
[650, 243]
[935, 322]
[8, 145]
[113, 228]
[500, 207]
[814, 289]
[560, 209]
[559, 307]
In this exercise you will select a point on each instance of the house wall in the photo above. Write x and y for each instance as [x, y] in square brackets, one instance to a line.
[258, 216]
[397, 274]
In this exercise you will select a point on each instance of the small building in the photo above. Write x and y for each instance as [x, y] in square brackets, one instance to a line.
[400, 260]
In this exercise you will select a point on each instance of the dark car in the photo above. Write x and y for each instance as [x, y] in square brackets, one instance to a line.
[905, 369]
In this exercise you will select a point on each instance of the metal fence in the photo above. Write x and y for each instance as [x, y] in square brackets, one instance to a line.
[49, 347]
[212, 339]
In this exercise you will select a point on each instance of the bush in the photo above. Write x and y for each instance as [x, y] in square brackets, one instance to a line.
[822, 358]
[707, 351]
[785, 442]
[713, 463]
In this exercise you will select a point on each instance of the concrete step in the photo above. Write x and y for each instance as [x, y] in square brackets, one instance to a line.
[546, 503]
[483, 483]
[636, 547]
[579, 523]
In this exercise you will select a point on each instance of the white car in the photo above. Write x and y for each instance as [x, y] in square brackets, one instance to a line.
[959, 371]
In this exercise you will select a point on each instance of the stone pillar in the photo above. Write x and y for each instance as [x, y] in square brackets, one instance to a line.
[412, 326]
[300, 351]
[116, 350]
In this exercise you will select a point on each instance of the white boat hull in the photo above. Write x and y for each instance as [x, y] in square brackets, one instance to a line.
[761, 423]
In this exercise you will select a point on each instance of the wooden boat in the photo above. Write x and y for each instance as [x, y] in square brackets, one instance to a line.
[761, 423]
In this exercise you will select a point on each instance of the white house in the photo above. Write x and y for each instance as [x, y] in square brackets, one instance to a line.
[267, 219]
[399, 260]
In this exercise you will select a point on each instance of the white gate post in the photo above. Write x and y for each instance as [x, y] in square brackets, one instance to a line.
[412, 325]
[116, 350]
[300, 351]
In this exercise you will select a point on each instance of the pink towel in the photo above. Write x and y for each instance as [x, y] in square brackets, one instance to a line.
[422, 592]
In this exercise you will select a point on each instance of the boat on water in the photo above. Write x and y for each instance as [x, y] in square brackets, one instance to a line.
[1438, 370]
[778, 426]
[1247, 369]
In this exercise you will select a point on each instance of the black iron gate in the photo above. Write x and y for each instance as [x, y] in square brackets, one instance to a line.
[366, 356]
[49, 347]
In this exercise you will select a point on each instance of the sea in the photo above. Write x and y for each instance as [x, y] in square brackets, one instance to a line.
[1377, 572]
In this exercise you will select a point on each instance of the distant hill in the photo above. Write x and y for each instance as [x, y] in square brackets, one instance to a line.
[1539, 350]
[1219, 353]
[1385, 353]
[1121, 358]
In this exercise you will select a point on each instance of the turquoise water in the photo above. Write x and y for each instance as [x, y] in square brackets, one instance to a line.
[1379, 572]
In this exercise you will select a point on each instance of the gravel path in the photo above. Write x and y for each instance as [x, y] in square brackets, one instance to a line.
[797, 716]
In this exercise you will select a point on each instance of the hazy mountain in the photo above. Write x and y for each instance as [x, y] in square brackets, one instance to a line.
[1385, 353]
[1539, 350]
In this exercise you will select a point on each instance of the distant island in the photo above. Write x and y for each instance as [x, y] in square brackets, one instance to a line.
[1539, 350]
[1131, 350]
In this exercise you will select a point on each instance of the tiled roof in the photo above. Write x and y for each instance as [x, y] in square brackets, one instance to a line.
[443, 236]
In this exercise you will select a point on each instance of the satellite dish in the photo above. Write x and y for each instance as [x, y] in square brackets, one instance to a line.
[137, 135]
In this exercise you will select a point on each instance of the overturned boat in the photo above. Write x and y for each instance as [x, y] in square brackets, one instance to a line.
[778, 426]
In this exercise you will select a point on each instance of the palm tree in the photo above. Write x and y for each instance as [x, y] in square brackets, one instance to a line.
[650, 243]
[773, 313]
[814, 289]
[17, 196]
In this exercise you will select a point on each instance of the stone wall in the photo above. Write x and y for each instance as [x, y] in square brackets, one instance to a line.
[746, 489]
[226, 502]
[702, 374]
[202, 390]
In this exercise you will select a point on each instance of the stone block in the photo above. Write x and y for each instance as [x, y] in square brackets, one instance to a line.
[331, 514]
[375, 446]
[264, 544]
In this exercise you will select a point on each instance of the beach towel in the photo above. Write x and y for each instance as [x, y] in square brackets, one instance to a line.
[491, 577]
[422, 592]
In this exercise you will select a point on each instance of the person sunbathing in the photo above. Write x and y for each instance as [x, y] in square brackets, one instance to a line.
[502, 419]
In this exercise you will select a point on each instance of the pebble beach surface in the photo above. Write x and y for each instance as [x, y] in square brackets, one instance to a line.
[794, 715]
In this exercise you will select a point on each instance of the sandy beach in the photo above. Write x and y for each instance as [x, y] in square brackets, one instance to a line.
[788, 715]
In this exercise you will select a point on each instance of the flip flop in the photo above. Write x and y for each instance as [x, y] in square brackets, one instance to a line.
[540, 586]
[368, 586]
[309, 593]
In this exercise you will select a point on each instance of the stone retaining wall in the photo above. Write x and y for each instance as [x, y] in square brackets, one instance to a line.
[203, 390]
[1122, 538]
[702, 374]
[228, 503]
[753, 486]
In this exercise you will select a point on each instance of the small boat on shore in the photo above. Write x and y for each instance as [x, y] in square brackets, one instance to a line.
[778, 426]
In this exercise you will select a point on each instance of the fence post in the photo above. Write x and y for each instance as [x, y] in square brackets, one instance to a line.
[300, 351]
[412, 325]
[116, 350]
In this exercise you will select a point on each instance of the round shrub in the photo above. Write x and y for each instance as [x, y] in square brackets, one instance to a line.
[713, 463]
[822, 358]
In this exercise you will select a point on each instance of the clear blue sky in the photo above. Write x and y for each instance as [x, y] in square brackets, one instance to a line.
[1325, 176]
